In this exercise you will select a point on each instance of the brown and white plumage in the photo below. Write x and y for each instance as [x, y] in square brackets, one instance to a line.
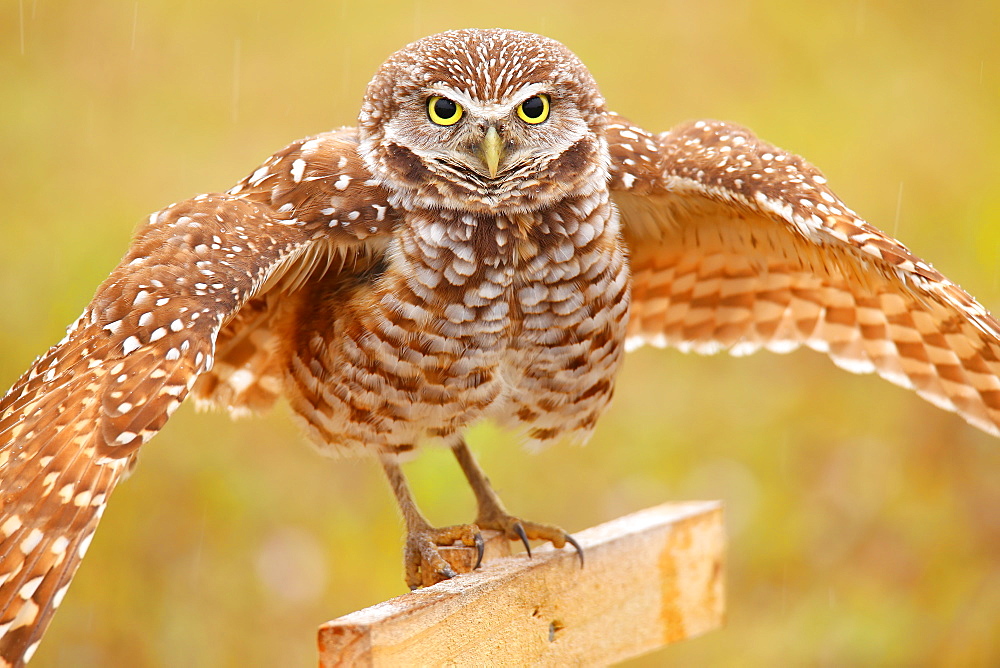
[737, 245]
[398, 291]
[71, 424]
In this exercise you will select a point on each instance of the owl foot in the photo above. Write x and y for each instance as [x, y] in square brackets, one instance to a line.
[427, 547]
[496, 518]
[492, 514]
[430, 555]
[422, 557]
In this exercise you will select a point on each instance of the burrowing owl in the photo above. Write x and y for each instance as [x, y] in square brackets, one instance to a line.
[485, 244]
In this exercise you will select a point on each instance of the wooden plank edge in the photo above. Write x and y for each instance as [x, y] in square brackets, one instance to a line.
[651, 578]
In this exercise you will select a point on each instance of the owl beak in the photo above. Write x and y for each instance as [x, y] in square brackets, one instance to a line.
[492, 147]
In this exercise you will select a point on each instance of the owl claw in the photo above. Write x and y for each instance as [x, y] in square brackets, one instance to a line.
[525, 531]
[519, 530]
[480, 550]
[579, 550]
[445, 573]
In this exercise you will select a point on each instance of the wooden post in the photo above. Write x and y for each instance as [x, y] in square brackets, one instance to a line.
[651, 578]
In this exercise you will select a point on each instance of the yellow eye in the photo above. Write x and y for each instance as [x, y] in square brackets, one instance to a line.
[535, 109]
[443, 111]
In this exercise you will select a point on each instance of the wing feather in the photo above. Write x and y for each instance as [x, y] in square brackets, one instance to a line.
[70, 426]
[737, 245]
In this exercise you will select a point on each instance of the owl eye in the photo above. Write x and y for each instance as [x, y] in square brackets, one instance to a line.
[443, 111]
[534, 110]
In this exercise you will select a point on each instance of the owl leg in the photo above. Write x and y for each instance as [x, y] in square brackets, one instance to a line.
[423, 540]
[492, 514]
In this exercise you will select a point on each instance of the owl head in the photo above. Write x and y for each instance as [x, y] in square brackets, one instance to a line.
[484, 120]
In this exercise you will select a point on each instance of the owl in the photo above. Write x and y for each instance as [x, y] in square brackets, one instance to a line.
[486, 243]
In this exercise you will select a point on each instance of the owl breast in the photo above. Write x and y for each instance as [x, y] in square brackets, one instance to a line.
[516, 318]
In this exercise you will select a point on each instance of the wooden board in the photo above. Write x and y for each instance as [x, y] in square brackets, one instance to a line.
[651, 578]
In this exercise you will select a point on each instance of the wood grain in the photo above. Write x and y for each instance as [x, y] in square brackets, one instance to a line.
[651, 578]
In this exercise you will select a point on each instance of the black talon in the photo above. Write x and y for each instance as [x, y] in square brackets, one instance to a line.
[448, 572]
[579, 550]
[480, 549]
[519, 530]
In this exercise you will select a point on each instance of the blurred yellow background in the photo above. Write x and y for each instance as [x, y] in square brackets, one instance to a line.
[864, 524]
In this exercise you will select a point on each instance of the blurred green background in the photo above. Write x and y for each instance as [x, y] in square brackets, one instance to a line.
[864, 524]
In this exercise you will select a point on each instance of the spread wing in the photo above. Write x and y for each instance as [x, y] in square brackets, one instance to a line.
[71, 425]
[738, 245]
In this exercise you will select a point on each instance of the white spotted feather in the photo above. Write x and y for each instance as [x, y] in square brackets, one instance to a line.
[396, 291]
